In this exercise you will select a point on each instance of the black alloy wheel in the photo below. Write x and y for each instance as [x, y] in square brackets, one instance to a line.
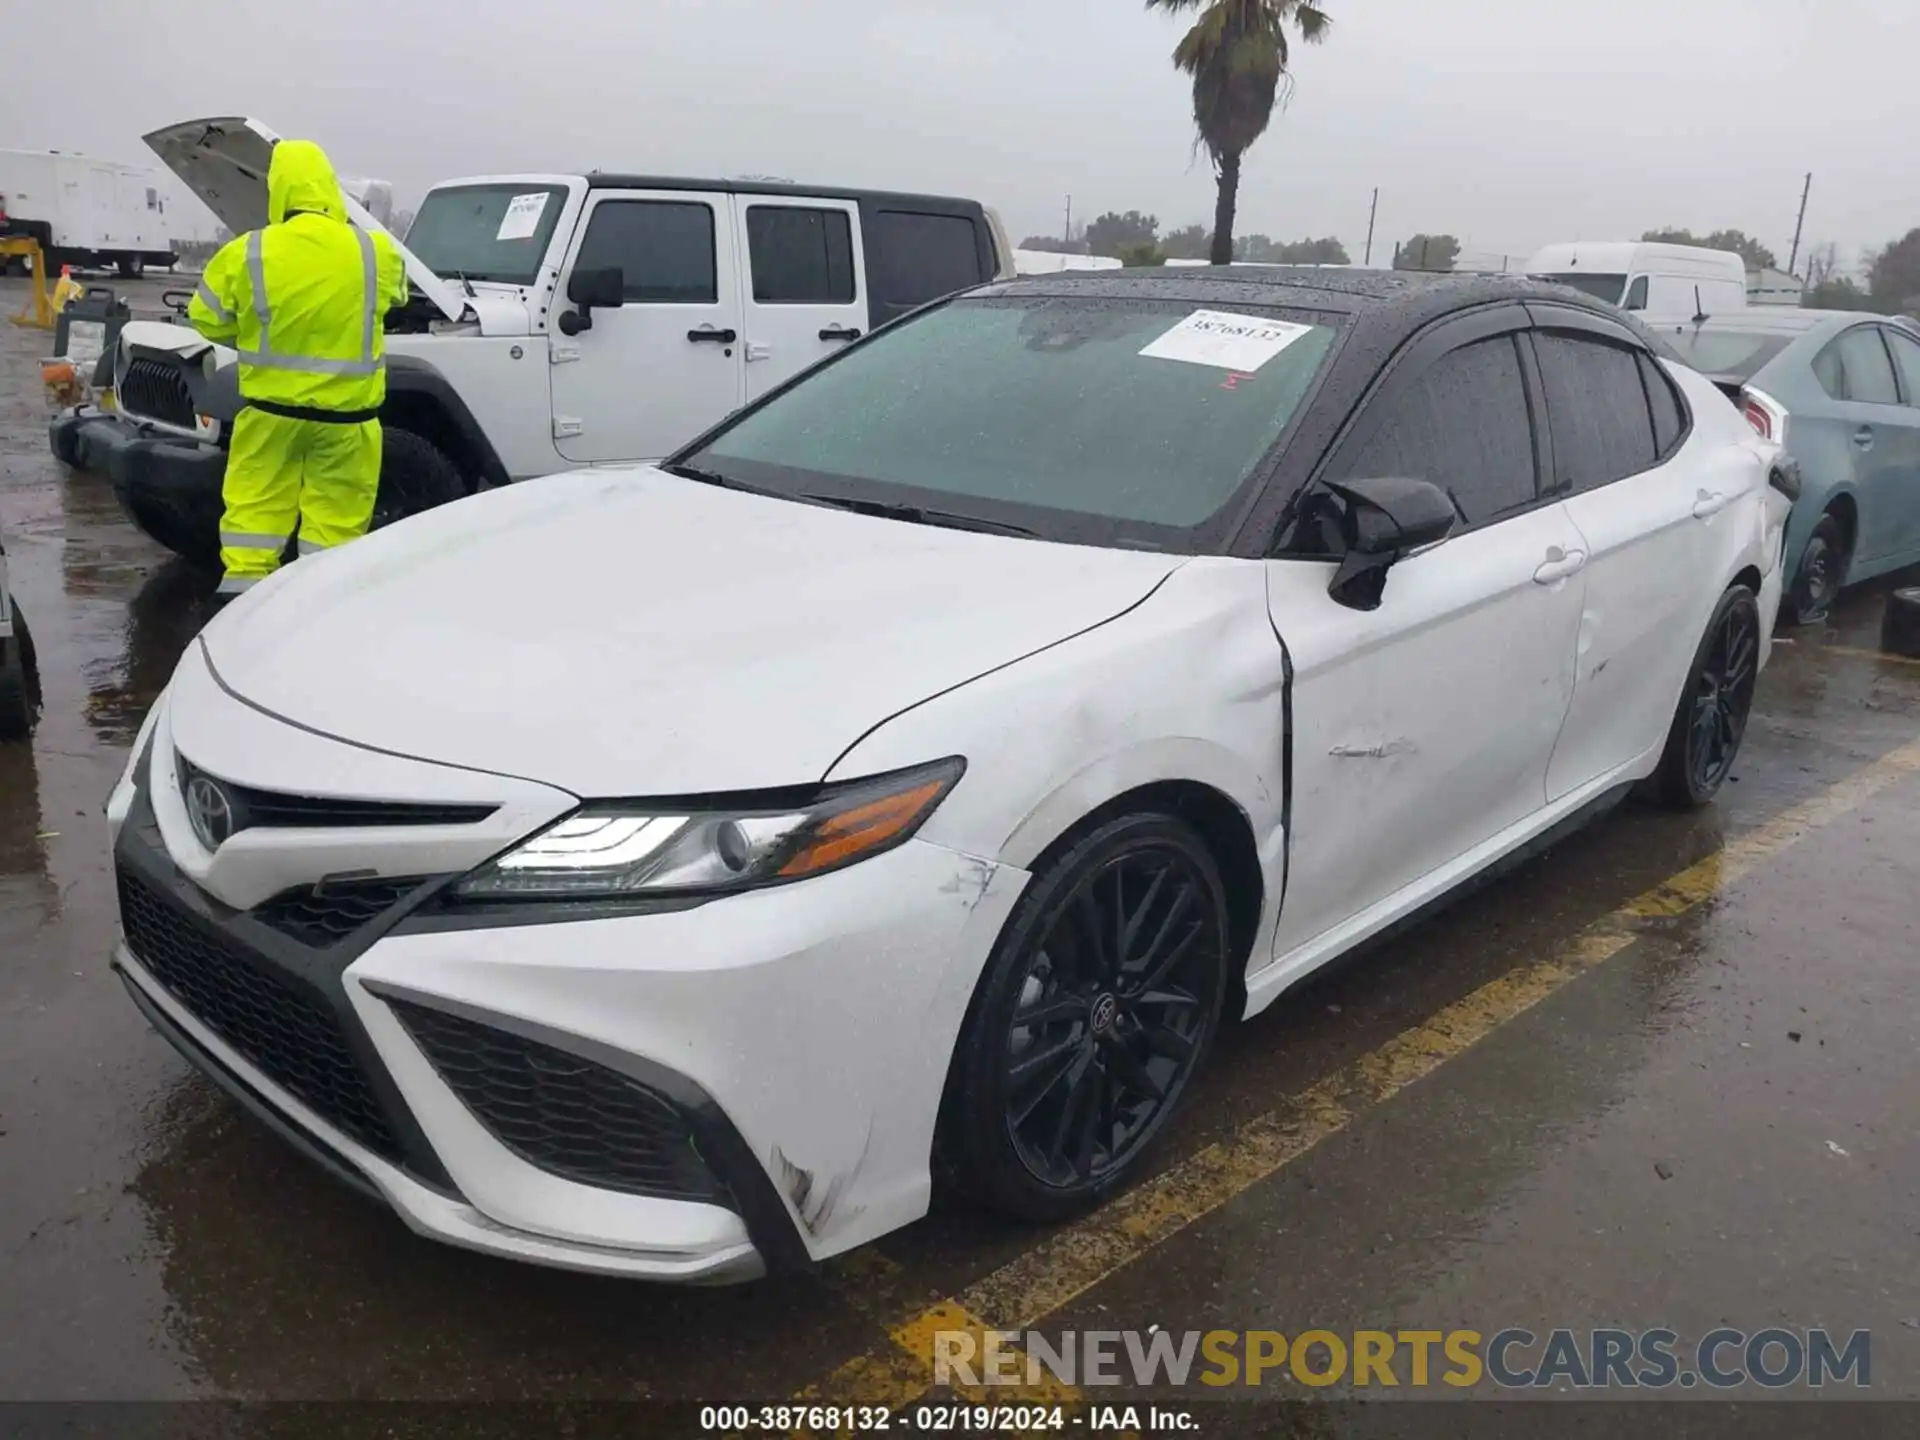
[1711, 720]
[1100, 1003]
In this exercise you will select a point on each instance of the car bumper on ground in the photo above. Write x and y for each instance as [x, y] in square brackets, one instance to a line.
[168, 487]
[701, 1094]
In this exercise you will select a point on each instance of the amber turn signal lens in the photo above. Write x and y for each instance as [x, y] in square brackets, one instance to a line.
[864, 827]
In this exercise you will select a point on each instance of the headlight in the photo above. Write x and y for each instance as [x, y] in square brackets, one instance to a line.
[609, 850]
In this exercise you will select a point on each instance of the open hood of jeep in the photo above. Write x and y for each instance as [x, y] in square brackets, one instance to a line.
[224, 161]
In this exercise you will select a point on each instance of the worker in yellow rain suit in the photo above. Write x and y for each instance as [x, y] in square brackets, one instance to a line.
[304, 300]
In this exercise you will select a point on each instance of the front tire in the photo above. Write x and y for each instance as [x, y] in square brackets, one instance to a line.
[415, 475]
[1099, 1004]
[1704, 739]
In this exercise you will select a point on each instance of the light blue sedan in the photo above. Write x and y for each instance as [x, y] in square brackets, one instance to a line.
[1841, 390]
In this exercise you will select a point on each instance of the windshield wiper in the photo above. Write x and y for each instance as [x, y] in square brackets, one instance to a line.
[461, 276]
[921, 515]
[714, 477]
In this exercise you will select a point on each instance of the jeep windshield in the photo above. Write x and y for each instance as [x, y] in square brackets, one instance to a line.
[1119, 421]
[487, 232]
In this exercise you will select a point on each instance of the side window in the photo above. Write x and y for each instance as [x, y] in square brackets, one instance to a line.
[800, 256]
[1866, 370]
[663, 247]
[1906, 351]
[1637, 294]
[1597, 409]
[1827, 370]
[918, 258]
[1463, 424]
[1669, 419]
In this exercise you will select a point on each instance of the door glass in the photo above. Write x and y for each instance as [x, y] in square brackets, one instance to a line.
[800, 257]
[1867, 370]
[1597, 406]
[1463, 425]
[1669, 421]
[664, 249]
[1637, 293]
[918, 258]
[1906, 350]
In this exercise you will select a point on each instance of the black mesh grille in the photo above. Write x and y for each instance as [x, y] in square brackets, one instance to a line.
[155, 390]
[324, 915]
[292, 1037]
[568, 1116]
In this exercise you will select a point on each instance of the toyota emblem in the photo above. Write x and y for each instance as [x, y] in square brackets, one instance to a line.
[1105, 1011]
[209, 812]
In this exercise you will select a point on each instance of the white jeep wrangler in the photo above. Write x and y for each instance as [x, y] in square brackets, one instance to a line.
[556, 321]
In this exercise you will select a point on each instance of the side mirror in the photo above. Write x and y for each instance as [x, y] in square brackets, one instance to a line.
[1382, 522]
[602, 288]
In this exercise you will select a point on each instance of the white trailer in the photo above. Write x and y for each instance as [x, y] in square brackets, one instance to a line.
[85, 212]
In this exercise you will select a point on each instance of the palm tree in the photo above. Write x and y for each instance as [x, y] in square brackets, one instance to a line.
[1236, 53]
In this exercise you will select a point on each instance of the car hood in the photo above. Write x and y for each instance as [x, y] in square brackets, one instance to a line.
[622, 632]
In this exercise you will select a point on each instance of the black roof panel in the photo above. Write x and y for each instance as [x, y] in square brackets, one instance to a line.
[618, 180]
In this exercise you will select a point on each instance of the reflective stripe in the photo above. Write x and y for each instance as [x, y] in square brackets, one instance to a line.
[234, 584]
[257, 274]
[311, 364]
[252, 540]
[370, 268]
[308, 547]
[212, 302]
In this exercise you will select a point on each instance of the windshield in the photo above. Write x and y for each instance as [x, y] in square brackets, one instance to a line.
[1077, 418]
[1728, 354]
[487, 232]
[1602, 287]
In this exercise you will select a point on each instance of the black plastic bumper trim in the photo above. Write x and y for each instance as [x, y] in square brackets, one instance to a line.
[770, 1225]
[250, 1099]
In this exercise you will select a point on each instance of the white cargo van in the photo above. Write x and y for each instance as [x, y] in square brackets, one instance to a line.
[1658, 282]
[85, 211]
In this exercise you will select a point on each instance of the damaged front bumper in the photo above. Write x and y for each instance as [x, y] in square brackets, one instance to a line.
[168, 486]
[702, 1094]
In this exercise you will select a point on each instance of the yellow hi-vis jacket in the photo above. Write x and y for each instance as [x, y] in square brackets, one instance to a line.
[304, 299]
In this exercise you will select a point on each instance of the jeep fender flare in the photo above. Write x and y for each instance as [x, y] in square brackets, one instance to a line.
[422, 400]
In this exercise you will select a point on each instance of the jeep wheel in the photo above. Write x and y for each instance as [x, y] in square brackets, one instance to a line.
[415, 475]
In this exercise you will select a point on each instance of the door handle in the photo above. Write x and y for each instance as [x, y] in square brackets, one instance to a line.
[711, 335]
[840, 332]
[1559, 565]
[1708, 503]
[1863, 438]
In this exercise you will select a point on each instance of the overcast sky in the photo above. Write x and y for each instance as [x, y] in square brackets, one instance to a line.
[1506, 122]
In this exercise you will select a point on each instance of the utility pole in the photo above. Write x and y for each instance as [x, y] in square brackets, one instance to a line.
[1066, 237]
[1805, 191]
[1372, 215]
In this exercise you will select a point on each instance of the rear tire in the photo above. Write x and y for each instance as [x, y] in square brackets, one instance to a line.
[1711, 719]
[132, 267]
[1900, 628]
[1822, 571]
[19, 682]
[1097, 1006]
[415, 475]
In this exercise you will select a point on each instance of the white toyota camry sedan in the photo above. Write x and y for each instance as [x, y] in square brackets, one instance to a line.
[679, 871]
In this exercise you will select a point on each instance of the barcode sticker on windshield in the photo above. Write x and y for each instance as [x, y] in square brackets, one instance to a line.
[1225, 341]
[523, 216]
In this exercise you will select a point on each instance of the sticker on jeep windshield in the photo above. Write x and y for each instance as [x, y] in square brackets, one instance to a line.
[523, 216]
[1225, 341]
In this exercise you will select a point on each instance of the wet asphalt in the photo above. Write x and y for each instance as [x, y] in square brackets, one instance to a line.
[1718, 1125]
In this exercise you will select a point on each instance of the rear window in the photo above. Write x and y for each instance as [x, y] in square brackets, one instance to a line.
[1602, 287]
[1727, 354]
[1044, 411]
[922, 257]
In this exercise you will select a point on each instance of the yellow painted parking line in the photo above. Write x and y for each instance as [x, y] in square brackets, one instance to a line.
[1860, 653]
[1073, 1259]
